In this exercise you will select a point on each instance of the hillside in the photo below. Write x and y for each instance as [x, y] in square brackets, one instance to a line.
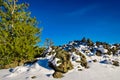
[79, 59]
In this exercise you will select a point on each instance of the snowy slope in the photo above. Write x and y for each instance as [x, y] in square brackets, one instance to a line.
[96, 71]
[99, 70]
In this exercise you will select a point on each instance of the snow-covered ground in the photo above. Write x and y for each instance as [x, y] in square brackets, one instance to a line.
[40, 71]
[100, 67]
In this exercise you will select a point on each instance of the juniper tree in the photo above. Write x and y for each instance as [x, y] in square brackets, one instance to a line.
[89, 42]
[84, 40]
[19, 33]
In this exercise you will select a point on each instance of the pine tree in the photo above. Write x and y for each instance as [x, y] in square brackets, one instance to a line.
[89, 42]
[19, 33]
[84, 40]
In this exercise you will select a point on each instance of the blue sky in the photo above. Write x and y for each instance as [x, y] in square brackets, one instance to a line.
[67, 20]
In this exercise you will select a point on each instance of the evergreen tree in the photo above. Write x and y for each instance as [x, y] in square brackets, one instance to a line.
[84, 40]
[89, 42]
[98, 43]
[19, 33]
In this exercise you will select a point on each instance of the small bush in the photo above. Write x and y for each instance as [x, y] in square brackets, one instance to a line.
[57, 74]
[64, 60]
[84, 62]
[33, 77]
[98, 53]
[115, 63]
[94, 60]
[79, 69]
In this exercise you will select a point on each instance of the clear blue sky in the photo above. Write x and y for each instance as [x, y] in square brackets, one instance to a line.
[67, 20]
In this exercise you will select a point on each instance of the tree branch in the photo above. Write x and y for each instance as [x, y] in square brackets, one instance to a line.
[13, 7]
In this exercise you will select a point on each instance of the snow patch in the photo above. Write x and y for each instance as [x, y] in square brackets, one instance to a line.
[55, 62]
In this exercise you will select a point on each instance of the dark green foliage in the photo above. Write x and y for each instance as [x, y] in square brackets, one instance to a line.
[18, 33]
[33, 77]
[72, 50]
[94, 60]
[98, 43]
[30, 62]
[84, 62]
[57, 74]
[89, 42]
[39, 51]
[114, 50]
[117, 45]
[98, 53]
[64, 60]
[79, 69]
[84, 40]
[106, 45]
[115, 63]
[109, 52]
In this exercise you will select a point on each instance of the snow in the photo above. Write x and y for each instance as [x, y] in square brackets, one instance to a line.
[49, 49]
[102, 69]
[113, 46]
[102, 49]
[118, 52]
[82, 47]
[96, 71]
[75, 57]
[71, 43]
[54, 62]
[17, 71]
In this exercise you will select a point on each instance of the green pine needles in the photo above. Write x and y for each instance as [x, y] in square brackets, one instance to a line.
[19, 33]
